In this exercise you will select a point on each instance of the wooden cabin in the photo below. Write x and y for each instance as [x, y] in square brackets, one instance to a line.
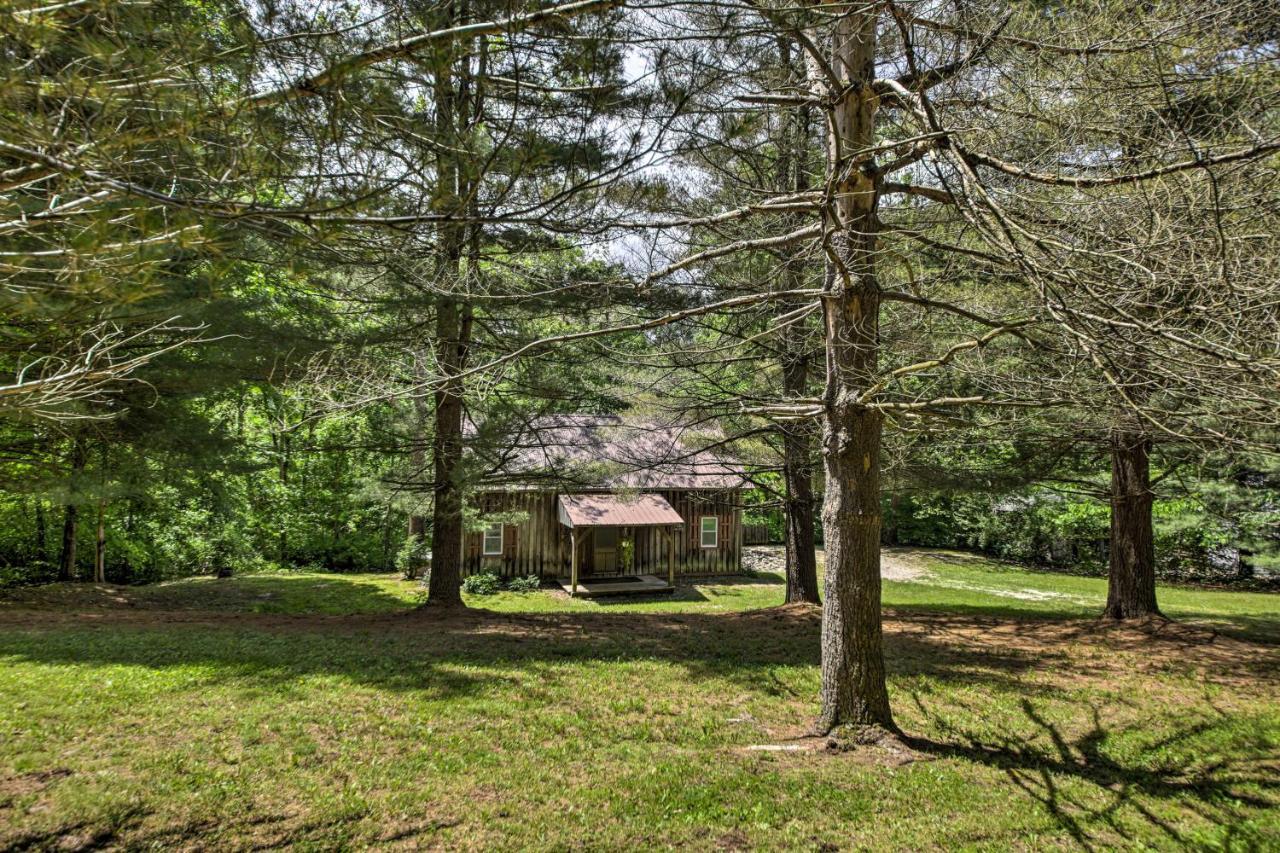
[588, 497]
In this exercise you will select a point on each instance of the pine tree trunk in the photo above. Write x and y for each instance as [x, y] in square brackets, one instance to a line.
[445, 585]
[453, 325]
[417, 464]
[854, 692]
[42, 533]
[797, 358]
[71, 514]
[282, 472]
[417, 532]
[67, 560]
[100, 546]
[797, 474]
[1131, 583]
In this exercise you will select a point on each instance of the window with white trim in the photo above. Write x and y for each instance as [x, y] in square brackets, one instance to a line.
[710, 531]
[493, 540]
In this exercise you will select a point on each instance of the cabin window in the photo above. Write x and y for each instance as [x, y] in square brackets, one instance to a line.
[710, 531]
[493, 540]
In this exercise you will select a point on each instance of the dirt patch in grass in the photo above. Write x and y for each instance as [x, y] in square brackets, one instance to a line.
[896, 564]
[26, 784]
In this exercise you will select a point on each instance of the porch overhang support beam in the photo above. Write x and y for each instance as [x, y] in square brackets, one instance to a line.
[669, 534]
[671, 557]
[573, 562]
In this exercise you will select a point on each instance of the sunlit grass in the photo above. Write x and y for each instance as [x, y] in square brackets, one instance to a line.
[319, 711]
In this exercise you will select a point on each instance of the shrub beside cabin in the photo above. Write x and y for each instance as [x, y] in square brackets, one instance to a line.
[595, 500]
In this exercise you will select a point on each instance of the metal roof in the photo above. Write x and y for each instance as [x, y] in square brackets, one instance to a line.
[603, 451]
[616, 511]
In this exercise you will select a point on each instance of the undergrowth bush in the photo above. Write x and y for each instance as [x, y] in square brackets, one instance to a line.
[483, 583]
[531, 583]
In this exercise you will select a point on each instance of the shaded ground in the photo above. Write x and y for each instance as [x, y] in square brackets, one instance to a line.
[179, 716]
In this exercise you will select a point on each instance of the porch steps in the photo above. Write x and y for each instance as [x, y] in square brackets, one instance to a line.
[597, 587]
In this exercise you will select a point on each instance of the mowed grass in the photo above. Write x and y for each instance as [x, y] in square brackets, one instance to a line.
[323, 711]
[959, 582]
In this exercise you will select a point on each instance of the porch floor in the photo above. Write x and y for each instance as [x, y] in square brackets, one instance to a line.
[594, 587]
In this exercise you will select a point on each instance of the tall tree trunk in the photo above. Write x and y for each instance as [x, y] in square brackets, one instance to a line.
[453, 193]
[797, 474]
[797, 358]
[1131, 582]
[67, 559]
[445, 585]
[283, 447]
[42, 533]
[418, 462]
[417, 532]
[100, 545]
[854, 692]
[71, 513]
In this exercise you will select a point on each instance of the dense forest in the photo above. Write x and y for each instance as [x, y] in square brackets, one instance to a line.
[280, 279]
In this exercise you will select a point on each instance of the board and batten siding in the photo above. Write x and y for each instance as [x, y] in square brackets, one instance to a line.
[539, 544]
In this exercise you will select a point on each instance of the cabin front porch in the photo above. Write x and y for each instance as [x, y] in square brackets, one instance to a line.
[601, 542]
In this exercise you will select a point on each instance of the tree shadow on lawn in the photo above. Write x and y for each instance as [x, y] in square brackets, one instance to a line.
[1221, 792]
[265, 593]
[1261, 629]
[446, 655]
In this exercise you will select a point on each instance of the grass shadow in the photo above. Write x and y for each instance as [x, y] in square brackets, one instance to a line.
[304, 593]
[1039, 766]
[448, 655]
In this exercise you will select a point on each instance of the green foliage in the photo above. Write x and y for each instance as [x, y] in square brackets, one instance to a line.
[414, 557]
[528, 583]
[760, 506]
[482, 583]
[1071, 533]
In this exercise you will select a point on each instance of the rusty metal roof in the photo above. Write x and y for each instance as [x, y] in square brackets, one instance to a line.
[605, 452]
[616, 511]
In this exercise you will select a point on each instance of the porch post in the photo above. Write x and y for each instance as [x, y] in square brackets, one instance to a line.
[737, 538]
[573, 561]
[671, 557]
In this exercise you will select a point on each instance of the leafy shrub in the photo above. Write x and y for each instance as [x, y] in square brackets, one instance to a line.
[483, 583]
[414, 557]
[37, 572]
[531, 583]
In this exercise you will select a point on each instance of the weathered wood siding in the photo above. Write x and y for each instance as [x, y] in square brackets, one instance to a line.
[539, 544]
[525, 545]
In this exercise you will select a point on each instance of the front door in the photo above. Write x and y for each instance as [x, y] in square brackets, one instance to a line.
[606, 550]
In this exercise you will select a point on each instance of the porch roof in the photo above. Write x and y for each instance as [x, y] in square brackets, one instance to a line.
[616, 511]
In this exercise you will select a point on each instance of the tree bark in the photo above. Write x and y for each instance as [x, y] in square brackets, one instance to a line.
[854, 692]
[796, 357]
[418, 464]
[1131, 582]
[67, 560]
[71, 513]
[282, 472]
[42, 533]
[100, 545]
[452, 193]
[417, 532]
[797, 474]
[445, 585]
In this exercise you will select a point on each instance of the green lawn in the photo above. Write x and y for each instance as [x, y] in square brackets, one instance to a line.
[958, 582]
[321, 711]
